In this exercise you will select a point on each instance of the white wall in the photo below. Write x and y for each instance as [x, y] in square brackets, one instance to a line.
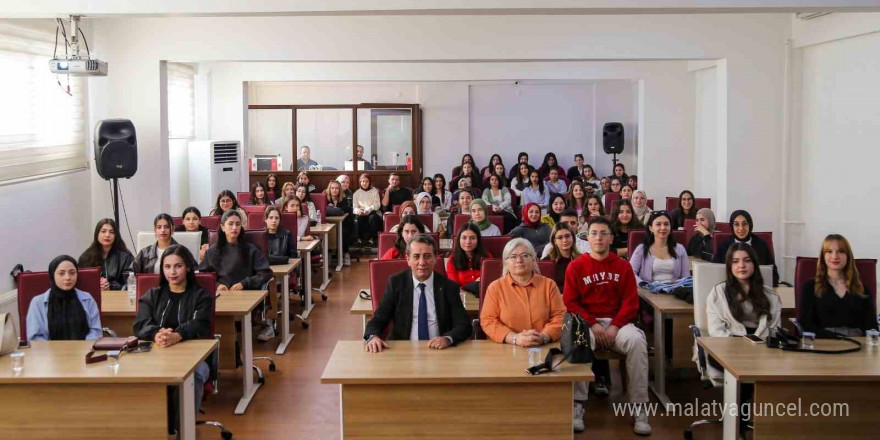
[518, 47]
[835, 127]
[50, 217]
[706, 135]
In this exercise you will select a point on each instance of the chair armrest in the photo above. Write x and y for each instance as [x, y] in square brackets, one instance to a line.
[109, 332]
[701, 355]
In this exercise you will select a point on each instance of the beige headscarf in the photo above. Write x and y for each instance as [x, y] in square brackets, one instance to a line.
[710, 217]
[642, 212]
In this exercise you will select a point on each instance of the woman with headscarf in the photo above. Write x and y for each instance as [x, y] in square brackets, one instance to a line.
[63, 313]
[480, 217]
[742, 226]
[408, 208]
[640, 206]
[701, 244]
[531, 228]
[425, 206]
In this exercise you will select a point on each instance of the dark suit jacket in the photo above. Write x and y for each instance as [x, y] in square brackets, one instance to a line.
[396, 307]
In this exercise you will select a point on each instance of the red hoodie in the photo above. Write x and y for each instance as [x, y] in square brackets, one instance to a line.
[601, 289]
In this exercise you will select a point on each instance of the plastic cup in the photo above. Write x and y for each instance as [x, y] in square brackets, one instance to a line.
[808, 340]
[535, 356]
[17, 361]
[873, 337]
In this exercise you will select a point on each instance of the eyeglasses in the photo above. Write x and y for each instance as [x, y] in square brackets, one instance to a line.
[600, 234]
[659, 212]
[525, 256]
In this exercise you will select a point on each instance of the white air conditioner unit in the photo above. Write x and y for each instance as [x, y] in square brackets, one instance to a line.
[213, 167]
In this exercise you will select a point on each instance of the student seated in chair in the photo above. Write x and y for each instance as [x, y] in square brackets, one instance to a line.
[660, 258]
[304, 195]
[463, 266]
[108, 252]
[282, 243]
[600, 287]
[623, 220]
[408, 208]
[293, 205]
[147, 260]
[366, 204]
[63, 313]
[702, 245]
[259, 195]
[570, 218]
[421, 304]
[192, 222]
[177, 311]
[395, 194]
[557, 205]
[410, 225]
[836, 301]
[226, 201]
[480, 218]
[640, 206]
[537, 233]
[561, 250]
[742, 226]
[685, 210]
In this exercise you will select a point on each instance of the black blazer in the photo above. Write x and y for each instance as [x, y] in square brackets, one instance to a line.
[397, 307]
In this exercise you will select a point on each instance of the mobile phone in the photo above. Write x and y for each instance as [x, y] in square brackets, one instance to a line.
[24, 344]
[753, 339]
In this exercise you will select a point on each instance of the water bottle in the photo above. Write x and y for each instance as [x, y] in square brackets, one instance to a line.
[318, 215]
[131, 287]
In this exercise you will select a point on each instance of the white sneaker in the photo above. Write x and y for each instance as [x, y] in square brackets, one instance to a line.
[267, 333]
[640, 424]
[577, 417]
[346, 259]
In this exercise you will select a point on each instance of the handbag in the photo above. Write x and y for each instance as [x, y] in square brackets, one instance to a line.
[110, 344]
[8, 334]
[576, 346]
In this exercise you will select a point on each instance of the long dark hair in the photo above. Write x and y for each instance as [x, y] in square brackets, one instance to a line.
[221, 238]
[268, 178]
[265, 199]
[634, 222]
[550, 212]
[587, 204]
[459, 257]
[399, 242]
[520, 184]
[442, 194]
[308, 197]
[492, 158]
[94, 255]
[592, 171]
[191, 209]
[540, 180]
[734, 290]
[545, 166]
[574, 201]
[188, 260]
[649, 236]
[231, 195]
[693, 212]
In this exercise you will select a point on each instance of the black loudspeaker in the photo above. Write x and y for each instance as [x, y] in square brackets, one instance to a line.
[612, 138]
[115, 149]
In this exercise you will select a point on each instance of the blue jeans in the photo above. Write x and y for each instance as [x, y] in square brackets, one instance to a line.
[200, 376]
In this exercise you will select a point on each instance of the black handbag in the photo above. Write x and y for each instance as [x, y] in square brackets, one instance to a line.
[575, 344]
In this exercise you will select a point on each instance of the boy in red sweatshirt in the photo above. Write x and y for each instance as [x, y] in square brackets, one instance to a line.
[601, 288]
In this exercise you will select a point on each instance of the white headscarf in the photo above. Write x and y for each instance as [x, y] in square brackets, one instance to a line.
[419, 198]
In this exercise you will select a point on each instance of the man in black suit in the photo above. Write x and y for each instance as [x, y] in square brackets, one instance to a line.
[423, 305]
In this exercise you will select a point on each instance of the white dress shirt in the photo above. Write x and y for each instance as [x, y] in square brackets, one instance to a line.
[433, 326]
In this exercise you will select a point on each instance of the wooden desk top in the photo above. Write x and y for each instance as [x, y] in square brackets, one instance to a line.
[365, 306]
[284, 269]
[445, 244]
[670, 304]
[412, 362]
[64, 362]
[303, 246]
[336, 218]
[116, 303]
[322, 229]
[755, 362]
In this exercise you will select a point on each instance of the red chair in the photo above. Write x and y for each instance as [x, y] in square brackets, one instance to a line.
[699, 203]
[212, 222]
[320, 201]
[495, 245]
[259, 209]
[146, 281]
[31, 284]
[395, 209]
[721, 237]
[258, 238]
[610, 197]
[256, 220]
[381, 270]
[270, 195]
[637, 237]
[393, 219]
[492, 267]
[805, 270]
[650, 203]
[243, 197]
[386, 241]
[178, 221]
[690, 232]
[461, 219]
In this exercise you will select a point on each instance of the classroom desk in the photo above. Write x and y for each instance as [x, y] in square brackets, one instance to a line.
[476, 390]
[682, 315]
[119, 313]
[58, 396]
[282, 272]
[803, 379]
[364, 307]
[324, 230]
[305, 250]
[337, 221]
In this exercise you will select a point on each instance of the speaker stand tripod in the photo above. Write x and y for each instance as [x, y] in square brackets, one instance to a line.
[116, 203]
[614, 160]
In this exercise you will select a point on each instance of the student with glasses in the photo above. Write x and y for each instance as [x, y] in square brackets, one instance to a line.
[570, 218]
[685, 210]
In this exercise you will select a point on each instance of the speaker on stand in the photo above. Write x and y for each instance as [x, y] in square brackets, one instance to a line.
[115, 154]
[612, 140]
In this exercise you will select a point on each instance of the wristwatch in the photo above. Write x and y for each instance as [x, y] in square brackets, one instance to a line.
[514, 339]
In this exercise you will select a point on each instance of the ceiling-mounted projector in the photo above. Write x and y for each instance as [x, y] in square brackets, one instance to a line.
[78, 67]
[76, 64]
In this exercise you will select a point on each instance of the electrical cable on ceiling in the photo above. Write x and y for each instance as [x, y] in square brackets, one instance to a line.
[88, 52]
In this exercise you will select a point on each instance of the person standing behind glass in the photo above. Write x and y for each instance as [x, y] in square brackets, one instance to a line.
[305, 159]
[368, 166]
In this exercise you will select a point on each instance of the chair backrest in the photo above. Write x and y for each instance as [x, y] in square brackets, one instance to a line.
[637, 237]
[386, 241]
[31, 284]
[320, 201]
[192, 241]
[243, 197]
[721, 237]
[491, 269]
[289, 222]
[207, 281]
[805, 269]
[258, 238]
[381, 270]
[395, 209]
[610, 197]
[212, 222]
[650, 203]
[699, 203]
[259, 209]
[393, 219]
[178, 221]
[144, 239]
[690, 232]
[706, 277]
[461, 219]
[256, 220]
[495, 245]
